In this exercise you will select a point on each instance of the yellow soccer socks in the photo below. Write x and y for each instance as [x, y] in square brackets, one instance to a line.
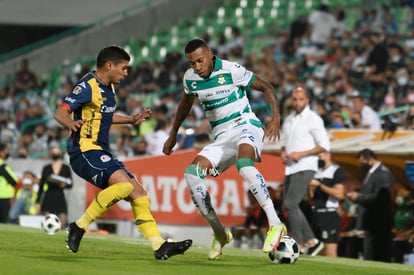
[105, 199]
[145, 222]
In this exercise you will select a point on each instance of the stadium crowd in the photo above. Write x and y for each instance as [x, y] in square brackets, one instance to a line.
[372, 61]
[353, 76]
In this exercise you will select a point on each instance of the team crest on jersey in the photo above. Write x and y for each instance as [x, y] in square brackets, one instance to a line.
[105, 158]
[221, 80]
[77, 90]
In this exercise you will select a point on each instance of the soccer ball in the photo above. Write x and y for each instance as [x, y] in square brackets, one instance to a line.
[51, 224]
[286, 253]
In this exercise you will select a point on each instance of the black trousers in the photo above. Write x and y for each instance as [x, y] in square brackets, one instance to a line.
[377, 245]
[4, 210]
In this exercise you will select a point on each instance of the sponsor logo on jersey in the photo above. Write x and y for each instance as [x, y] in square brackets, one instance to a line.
[221, 80]
[102, 91]
[69, 99]
[105, 158]
[77, 90]
[220, 92]
[108, 109]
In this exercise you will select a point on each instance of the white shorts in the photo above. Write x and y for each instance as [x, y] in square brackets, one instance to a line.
[222, 153]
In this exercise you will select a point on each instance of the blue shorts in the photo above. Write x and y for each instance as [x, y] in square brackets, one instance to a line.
[96, 167]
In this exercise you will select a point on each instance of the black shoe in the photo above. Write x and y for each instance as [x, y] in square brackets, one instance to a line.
[74, 237]
[169, 249]
[314, 250]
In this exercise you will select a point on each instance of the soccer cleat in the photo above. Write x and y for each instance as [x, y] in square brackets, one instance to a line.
[75, 235]
[314, 250]
[273, 237]
[171, 248]
[216, 248]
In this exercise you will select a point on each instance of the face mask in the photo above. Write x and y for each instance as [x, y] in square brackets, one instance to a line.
[337, 125]
[256, 94]
[288, 88]
[317, 90]
[27, 181]
[411, 97]
[400, 201]
[56, 156]
[310, 83]
[402, 81]
[311, 63]
[389, 100]
[395, 59]
[304, 42]
[354, 122]
[321, 163]
[366, 167]
[35, 188]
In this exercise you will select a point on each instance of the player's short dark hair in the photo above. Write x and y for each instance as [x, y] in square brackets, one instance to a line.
[194, 44]
[112, 53]
[367, 154]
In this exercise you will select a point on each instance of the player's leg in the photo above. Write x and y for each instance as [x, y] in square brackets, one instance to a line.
[147, 225]
[194, 175]
[104, 172]
[249, 148]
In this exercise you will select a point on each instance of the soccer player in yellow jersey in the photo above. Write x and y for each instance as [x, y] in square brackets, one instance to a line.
[88, 111]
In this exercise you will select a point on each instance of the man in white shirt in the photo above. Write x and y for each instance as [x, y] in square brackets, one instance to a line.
[304, 137]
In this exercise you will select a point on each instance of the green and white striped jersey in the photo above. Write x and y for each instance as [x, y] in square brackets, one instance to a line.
[223, 94]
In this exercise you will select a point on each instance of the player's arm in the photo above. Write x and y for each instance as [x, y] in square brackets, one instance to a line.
[184, 107]
[134, 119]
[273, 128]
[63, 116]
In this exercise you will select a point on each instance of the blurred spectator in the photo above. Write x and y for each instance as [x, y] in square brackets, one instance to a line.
[8, 181]
[24, 79]
[369, 118]
[356, 120]
[397, 57]
[338, 122]
[409, 118]
[39, 145]
[350, 244]
[155, 140]
[25, 199]
[403, 225]
[340, 26]
[139, 147]
[255, 224]
[402, 86]
[56, 176]
[376, 64]
[321, 26]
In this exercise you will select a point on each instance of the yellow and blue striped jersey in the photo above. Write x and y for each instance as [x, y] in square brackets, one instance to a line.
[94, 102]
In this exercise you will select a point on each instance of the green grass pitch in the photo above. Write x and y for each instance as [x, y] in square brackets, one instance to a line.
[31, 251]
